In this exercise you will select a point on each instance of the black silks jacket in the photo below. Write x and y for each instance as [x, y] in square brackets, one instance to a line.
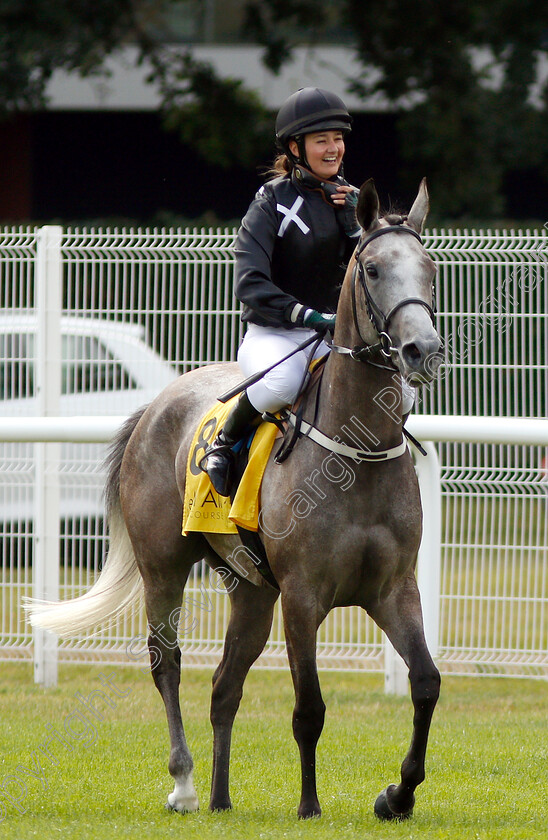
[291, 249]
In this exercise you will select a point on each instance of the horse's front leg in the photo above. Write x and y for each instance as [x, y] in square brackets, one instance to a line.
[301, 622]
[400, 616]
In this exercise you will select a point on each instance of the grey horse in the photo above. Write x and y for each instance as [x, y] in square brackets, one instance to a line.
[340, 523]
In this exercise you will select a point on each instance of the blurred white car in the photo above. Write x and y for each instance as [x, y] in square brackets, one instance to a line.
[107, 368]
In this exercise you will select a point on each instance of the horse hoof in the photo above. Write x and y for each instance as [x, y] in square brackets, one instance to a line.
[309, 813]
[175, 809]
[220, 806]
[383, 810]
[184, 799]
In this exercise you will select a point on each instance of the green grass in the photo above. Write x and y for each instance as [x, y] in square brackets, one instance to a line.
[486, 765]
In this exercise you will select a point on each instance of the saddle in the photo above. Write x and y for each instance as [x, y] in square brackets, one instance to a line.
[204, 510]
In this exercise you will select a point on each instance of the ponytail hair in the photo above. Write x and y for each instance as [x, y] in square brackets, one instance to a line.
[281, 166]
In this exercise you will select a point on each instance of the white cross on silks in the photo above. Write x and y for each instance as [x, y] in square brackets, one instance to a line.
[290, 214]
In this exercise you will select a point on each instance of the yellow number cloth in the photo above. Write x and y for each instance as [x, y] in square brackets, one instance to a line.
[204, 510]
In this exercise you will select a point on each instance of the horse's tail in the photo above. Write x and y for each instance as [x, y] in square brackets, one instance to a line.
[119, 586]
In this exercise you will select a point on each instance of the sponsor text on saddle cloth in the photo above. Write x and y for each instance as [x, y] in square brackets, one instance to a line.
[204, 510]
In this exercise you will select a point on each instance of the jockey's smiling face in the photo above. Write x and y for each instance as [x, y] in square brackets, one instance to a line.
[324, 152]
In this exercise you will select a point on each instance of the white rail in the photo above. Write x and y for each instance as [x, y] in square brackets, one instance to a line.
[509, 430]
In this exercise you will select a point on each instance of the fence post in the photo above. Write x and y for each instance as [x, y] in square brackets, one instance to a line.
[428, 569]
[48, 291]
[395, 671]
[429, 563]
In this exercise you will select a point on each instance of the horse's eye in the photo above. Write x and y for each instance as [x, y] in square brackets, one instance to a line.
[372, 270]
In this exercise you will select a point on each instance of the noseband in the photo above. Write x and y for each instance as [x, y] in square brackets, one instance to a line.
[379, 320]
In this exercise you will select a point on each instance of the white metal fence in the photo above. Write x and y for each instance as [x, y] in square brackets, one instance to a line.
[169, 294]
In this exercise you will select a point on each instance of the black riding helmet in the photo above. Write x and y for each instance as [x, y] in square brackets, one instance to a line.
[307, 110]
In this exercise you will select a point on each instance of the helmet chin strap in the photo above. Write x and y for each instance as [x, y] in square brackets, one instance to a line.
[300, 159]
[302, 151]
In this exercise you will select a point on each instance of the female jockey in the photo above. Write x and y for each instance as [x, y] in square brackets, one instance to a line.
[291, 255]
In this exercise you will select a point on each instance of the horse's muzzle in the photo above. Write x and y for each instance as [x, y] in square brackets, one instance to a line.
[420, 359]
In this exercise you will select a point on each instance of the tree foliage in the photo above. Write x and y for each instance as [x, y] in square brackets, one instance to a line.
[39, 37]
[226, 123]
[459, 76]
[466, 133]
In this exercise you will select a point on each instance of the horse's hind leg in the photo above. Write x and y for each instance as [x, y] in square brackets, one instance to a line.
[400, 616]
[246, 636]
[164, 585]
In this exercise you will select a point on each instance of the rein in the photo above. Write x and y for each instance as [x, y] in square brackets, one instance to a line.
[381, 322]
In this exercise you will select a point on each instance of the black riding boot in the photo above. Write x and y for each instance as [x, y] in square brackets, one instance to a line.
[218, 459]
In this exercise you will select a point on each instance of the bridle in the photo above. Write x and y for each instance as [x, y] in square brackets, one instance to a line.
[365, 352]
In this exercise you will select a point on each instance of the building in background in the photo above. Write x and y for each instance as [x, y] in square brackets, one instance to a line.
[100, 152]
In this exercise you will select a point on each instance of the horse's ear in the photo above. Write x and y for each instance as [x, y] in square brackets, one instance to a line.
[419, 210]
[367, 210]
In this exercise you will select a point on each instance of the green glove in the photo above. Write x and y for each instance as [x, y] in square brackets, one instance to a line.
[347, 214]
[320, 321]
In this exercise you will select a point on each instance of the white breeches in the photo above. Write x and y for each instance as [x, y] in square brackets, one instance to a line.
[261, 347]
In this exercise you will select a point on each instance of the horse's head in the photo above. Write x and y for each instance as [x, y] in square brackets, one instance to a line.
[393, 297]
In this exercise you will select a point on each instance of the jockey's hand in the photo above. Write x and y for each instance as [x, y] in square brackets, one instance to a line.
[320, 321]
[343, 194]
[344, 197]
[346, 202]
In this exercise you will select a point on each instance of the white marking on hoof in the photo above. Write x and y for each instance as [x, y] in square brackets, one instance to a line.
[184, 798]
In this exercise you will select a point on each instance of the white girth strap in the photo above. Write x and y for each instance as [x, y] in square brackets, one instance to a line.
[342, 448]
